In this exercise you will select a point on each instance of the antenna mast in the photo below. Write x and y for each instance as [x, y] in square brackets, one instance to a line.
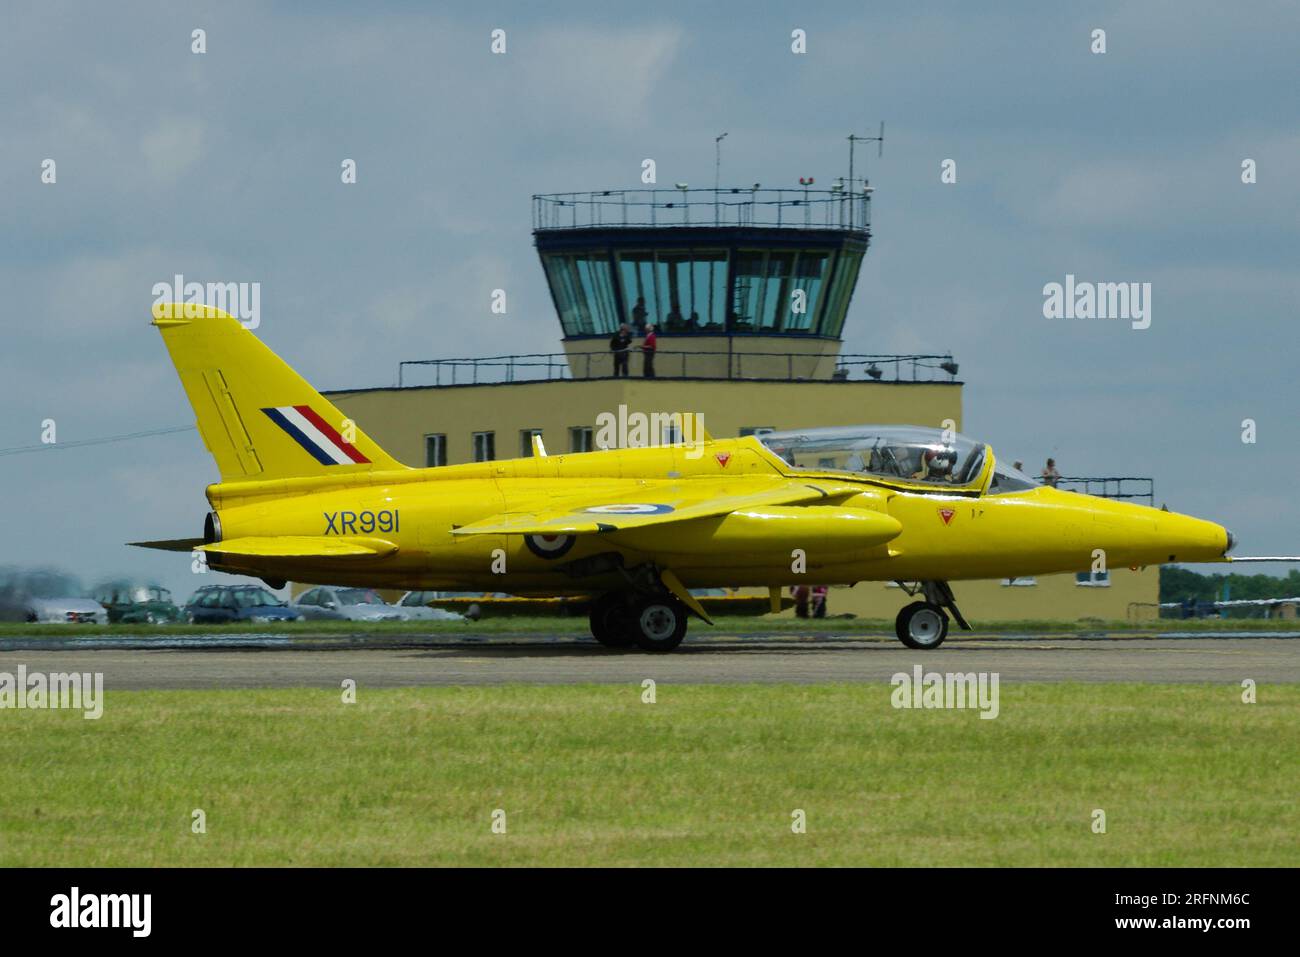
[854, 139]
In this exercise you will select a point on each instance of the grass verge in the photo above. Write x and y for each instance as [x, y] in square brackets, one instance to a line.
[589, 775]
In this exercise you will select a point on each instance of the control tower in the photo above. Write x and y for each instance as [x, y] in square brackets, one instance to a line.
[741, 282]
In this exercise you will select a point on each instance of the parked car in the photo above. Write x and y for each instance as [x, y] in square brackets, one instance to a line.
[417, 608]
[46, 595]
[348, 604]
[134, 603]
[80, 611]
[474, 604]
[217, 604]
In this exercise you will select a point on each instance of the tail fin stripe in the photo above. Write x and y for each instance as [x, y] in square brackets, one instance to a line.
[327, 430]
[295, 432]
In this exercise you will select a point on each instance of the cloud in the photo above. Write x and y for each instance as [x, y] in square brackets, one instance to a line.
[172, 147]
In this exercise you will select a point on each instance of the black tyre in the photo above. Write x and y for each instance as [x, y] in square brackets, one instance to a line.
[611, 622]
[659, 624]
[922, 626]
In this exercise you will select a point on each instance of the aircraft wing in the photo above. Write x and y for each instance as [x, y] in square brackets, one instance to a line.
[301, 546]
[656, 505]
[171, 544]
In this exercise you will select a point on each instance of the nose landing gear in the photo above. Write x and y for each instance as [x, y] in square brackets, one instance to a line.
[923, 625]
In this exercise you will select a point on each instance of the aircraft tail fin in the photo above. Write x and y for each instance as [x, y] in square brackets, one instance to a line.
[259, 419]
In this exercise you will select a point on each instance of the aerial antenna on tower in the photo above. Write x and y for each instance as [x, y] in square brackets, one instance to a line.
[854, 139]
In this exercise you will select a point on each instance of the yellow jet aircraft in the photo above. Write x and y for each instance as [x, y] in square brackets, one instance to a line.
[305, 495]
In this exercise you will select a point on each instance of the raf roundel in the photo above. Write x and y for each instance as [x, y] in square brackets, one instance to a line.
[628, 508]
[549, 546]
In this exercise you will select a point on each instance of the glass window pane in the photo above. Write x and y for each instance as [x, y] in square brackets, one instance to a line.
[573, 318]
[708, 293]
[846, 275]
[435, 450]
[809, 273]
[636, 272]
[597, 290]
[775, 304]
[748, 291]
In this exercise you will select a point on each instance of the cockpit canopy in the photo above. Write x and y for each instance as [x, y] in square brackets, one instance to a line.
[900, 453]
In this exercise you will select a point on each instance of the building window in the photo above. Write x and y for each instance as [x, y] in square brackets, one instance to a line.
[583, 288]
[485, 446]
[435, 450]
[580, 438]
[844, 278]
[1093, 579]
[526, 441]
[684, 292]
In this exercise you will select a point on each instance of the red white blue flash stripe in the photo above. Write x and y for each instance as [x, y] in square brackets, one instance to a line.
[314, 434]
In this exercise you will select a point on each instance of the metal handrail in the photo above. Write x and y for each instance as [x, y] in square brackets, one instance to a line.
[1110, 486]
[735, 206]
[549, 366]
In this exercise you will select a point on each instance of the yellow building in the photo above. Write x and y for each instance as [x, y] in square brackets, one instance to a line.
[749, 290]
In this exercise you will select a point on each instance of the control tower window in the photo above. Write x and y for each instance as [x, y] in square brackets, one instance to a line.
[684, 291]
[762, 280]
[799, 289]
[767, 287]
[637, 271]
[583, 288]
[810, 269]
[708, 291]
[841, 289]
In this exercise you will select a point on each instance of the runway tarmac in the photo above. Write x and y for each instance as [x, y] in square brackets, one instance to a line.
[251, 663]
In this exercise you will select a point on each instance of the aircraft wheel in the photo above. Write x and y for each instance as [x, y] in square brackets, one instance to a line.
[660, 624]
[922, 625]
[611, 622]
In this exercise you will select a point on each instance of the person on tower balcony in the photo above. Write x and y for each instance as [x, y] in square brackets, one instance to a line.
[620, 344]
[1050, 476]
[648, 347]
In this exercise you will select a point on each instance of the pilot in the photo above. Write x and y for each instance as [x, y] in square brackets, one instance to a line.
[936, 465]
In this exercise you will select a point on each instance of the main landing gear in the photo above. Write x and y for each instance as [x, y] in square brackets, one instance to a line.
[924, 624]
[653, 622]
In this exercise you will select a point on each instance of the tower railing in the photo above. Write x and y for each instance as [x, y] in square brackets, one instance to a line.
[681, 364]
[1110, 486]
[834, 208]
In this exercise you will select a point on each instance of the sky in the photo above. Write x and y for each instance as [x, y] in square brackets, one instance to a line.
[1122, 166]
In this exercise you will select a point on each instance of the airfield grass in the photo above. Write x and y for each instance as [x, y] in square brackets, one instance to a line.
[559, 625]
[1187, 775]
